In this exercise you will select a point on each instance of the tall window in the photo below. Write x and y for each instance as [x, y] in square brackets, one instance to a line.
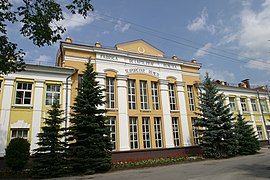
[0, 86]
[254, 105]
[158, 132]
[146, 132]
[195, 131]
[80, 79]
[52, 94]
[19, 133]
[243, 104]
[175, 127]
[155, 95]
[133, 129]
[132, 94]
[260, 133]
[232, 103]
[23, 93]
[263, 105]
[191, 98]
[172, 97]
[110, 95]
[112, 124]
[143, 92]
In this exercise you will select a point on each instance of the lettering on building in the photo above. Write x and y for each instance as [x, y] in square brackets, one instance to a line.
[141, 71]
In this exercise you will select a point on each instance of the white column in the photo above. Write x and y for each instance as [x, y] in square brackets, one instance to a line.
[123, 122]
[183, 113]
[5, 113]
[66, 102]
[168, 132]
[37, 114]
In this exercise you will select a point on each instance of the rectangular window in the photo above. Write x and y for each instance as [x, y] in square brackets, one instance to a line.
[80, 79]
[254, 105]
[23, 93]
[146, 132]
[243, 104]
[133, 129]
[52, 94]
[143, 92]
[0, 86]
[158, 132]
[195, 131]
[232, 103]
[176, 135]
[112, 124]
[172, 97]
[263, 105]
[155, 95]
[260, 133]
[191, 98]
[132, 94]
[19, 133]
[110, 95]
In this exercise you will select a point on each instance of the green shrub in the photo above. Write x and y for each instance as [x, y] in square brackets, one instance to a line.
[17, 153]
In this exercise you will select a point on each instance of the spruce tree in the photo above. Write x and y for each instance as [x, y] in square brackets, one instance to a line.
[217, 137]
[90, 145]
[49, 157]
[248, 141]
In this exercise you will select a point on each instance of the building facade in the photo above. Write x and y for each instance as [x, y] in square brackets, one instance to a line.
[25, 98]
[150, 99]
[252, 103]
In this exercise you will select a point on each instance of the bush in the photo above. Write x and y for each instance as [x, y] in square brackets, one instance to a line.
[17, 154]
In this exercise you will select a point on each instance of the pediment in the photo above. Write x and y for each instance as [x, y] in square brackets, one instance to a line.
[140, 47]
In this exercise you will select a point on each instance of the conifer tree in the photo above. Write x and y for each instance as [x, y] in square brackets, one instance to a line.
[248, 141]
[90, 145]
[214, 122]
[49, 157]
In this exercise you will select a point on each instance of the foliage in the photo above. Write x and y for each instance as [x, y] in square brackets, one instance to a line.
[40, 23]
[215, 126]
[49, 157]
[90, 145]
[248, 141]
[17, 153]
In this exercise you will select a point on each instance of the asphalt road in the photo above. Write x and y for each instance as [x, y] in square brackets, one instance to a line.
[251, 167]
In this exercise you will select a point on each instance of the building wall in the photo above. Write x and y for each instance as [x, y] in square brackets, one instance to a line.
[139, 61]
[21, 114]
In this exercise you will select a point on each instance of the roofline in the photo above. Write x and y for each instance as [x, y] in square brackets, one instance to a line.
[126, 53]
[50, 69]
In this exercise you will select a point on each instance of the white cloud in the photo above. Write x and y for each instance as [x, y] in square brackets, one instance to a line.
[202, 51]
[121, 26]
[42, 60]
[218, 74]
[258, 64]
[200, 23]
[73, 21]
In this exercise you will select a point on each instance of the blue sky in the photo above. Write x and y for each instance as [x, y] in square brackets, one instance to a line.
[229, 37]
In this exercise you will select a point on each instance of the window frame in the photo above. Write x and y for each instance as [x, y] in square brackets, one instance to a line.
[53, 94]
[254, 105]
[172, 97]
[131, 95]
[155, 95]
[110, 92]
[243, 104]
[146, 132]
[158, 132]
[260, 132]
[232, 104]
[191, 98]
[176, 132]
[134, 142]
[24, 91]
[264, 105]
[196, 137]
[17, 130]
[113, 132]
[143, 95]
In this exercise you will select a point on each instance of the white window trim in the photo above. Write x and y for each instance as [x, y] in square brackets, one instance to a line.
[110, 93]
[131, 103]
[154, 87]
[175, 128]
[144, 95]
[191, 98]
[145, 133]
[158, 132]
[232, 104]
[172, 97]
[53, 93]
[133, 121]
[24, 91]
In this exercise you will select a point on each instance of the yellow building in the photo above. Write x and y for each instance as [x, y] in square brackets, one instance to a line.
[150, 99]
[25, 98]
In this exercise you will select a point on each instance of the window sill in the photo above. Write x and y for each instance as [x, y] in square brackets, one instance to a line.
[111, 109]
[145, 110]
[22, 106]
[175, 111]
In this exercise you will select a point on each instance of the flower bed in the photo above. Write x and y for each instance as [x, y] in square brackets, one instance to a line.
[149, 162]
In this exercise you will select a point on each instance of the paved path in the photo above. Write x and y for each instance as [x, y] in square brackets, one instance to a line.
[238, 168]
